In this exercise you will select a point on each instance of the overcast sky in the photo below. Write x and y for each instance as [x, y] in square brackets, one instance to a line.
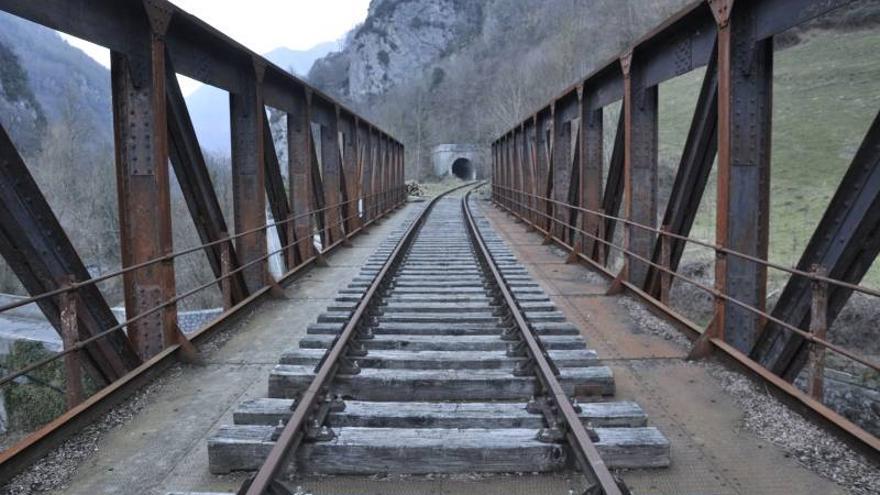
[263, 25]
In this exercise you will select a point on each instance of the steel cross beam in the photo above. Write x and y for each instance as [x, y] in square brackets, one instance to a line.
[276, 194]
[195, 184]
[613, 189]
[38, 250]
[845, 243]
[690, 180]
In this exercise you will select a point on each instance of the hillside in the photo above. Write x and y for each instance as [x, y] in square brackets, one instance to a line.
[448, 71]
[61, 81]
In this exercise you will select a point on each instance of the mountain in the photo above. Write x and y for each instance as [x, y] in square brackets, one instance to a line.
[49, 82]
[457, 71]
[209, 106]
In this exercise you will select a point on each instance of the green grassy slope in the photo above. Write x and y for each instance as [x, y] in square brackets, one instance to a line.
[826, 93]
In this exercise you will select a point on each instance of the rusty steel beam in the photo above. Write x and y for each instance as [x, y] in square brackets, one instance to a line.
[745, 87]
[592, 159]
[516, 169]
[641, 137]
[563, 131]
[845, 244]
[141, 134]
[276, 194]
[348, 169]
[195, 184]
[331, 165]
[247, 117]
[38, 251]
[370, 176]
[300, 159]
[691, 178]
[613, 191]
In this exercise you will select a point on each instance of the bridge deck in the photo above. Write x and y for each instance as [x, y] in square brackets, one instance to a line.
[163, 447]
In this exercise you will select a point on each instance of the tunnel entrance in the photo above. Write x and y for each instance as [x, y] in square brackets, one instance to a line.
[463, 169]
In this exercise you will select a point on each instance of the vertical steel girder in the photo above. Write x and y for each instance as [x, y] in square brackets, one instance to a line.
[563, 129]
[247, 115]
[640, 111]
[348, 170]
[690, 180]
[300, 157]
[745, 86]
[525, 170]
[516, 170]
[37, 249]
[613, 188]
[276, 194]
[845, 244]
[331, 165]
[591, 164]
[360, 169]
[195, 184]
[141, 132]
[546, 145]
[370, 190]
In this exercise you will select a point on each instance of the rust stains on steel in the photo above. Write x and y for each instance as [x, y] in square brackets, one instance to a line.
[732, 118]
[150, 42]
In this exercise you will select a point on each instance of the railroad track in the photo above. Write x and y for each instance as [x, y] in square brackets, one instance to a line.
[442, 356]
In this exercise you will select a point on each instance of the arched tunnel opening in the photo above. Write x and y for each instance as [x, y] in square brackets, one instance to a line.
[463, 169]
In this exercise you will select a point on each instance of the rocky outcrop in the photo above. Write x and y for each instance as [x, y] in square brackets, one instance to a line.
[398, 38]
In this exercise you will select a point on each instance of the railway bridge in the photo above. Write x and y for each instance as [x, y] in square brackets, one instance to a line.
[513, 335]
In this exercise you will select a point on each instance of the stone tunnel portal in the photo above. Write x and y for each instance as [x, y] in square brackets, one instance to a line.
[464, 169]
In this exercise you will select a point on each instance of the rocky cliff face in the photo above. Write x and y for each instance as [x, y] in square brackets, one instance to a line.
[397, 40]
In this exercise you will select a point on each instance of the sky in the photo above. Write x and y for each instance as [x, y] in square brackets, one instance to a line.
[263, 25]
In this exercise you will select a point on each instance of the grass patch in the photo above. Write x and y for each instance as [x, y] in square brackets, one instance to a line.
[826, 93]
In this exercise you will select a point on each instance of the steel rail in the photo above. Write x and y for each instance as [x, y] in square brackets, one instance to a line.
[294, 431]
[578, 438]
[715, 293]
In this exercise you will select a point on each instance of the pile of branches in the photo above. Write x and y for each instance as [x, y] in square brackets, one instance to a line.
[415, 189]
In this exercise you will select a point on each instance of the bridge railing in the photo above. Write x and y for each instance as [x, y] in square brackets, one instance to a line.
[549, 170]
[343, 173]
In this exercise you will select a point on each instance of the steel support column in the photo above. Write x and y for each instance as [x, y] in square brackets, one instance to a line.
[141, 132]
[348, 170]
[247, 115]
[592, 156]
[745, 85]
[640, 110]
[300, 156]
